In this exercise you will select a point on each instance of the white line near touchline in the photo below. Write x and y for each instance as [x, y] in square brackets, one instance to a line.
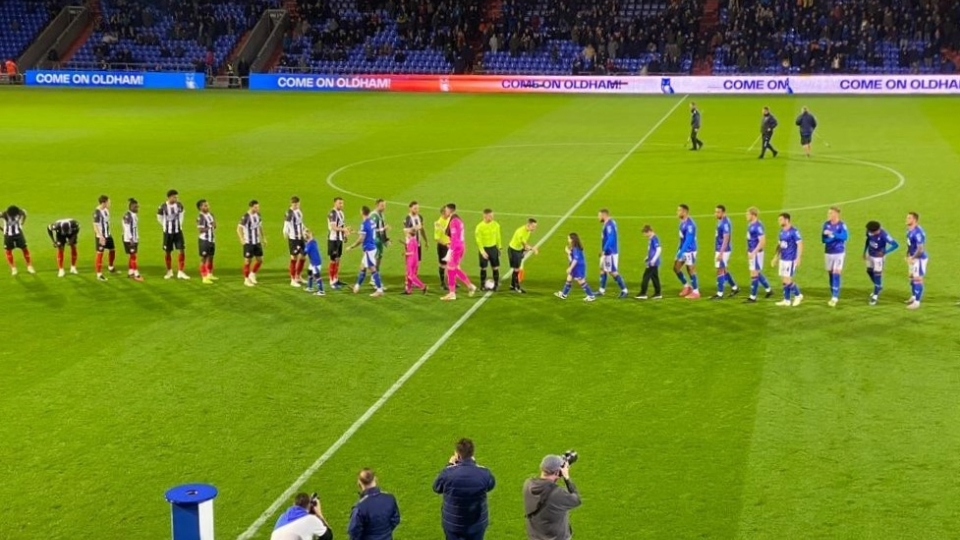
[352, 430]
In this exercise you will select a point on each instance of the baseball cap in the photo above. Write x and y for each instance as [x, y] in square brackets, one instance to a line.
[551, 464]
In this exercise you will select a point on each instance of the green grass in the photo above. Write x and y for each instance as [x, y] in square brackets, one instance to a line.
[716, 420]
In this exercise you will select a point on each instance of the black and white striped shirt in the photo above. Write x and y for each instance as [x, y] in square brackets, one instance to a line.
[171, 217]
[131, 228]
[293, 225]
[101, 222]
[13, 226]
[252, 226]
[207, 226]
[335, 222]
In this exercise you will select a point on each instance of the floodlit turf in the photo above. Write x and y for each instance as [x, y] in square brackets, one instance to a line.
[693, 419]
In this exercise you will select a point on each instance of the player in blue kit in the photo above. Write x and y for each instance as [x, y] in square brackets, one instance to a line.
[315, 260]
[368, 239]
[834, 237]
[916, 258]
[789, 253]
[756, 244]
[610, 257]
[879, 244]
[577, 271]
[687, 254]
[724, 246]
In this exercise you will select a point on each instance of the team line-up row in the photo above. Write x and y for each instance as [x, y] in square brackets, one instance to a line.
[450, 239]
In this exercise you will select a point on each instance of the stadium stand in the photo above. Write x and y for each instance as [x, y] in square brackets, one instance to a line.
[20, 23]
[521, 37]
[581, 36]
[347, 36]
[167, 35]
[854, 36]
[554, 37]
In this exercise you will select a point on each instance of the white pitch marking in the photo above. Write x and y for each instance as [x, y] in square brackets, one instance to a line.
[352, 430]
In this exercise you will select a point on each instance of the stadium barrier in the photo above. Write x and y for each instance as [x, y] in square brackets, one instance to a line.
[507, 84]
[117, 79]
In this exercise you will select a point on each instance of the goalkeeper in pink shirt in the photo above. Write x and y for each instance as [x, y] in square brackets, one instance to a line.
[458, 248]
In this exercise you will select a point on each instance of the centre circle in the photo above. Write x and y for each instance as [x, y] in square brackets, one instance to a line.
[901, 179]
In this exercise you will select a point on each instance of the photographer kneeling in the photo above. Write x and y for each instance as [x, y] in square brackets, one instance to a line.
[548, 506]
[303, 521]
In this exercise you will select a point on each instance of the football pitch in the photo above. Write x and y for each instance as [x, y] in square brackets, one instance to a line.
[693, 419]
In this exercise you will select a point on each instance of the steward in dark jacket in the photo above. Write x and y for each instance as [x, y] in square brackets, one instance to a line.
[376, 515]
[464, 486]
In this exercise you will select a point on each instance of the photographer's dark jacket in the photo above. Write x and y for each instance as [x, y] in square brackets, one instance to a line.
[464, 487]
[375, 516]
[547, 507]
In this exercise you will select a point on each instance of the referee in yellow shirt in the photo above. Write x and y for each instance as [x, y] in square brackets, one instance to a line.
[518, 246]
[489, 242]
[442, 239]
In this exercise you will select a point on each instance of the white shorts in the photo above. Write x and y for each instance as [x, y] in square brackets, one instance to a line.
[788, 268]
[369, 259]
[919, 268]
[755, 261]
[688, 259]
[875, 264]
[834, 261]
[721, 260]
[610, 263]
[313, 270]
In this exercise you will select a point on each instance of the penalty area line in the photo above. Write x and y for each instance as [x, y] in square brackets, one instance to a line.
[285, 497]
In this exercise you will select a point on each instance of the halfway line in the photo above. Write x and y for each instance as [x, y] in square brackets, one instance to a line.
[352, 430]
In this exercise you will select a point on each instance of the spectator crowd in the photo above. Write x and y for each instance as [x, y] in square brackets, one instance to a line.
[821, 36]
[603, 32]
[177, 29]
[325, 30]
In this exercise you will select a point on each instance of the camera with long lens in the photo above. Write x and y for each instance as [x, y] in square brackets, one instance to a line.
[570, 457]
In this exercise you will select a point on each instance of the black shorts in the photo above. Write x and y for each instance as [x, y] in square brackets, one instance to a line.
[251, 251]
[334, 249]
[296, 247]
[207, 249]
[17, 241]
[130, 248]
[805, 139]
[107, 246]
[60, 240]
[173, 241]
[442, 250]
[516, 258]
[493, 254]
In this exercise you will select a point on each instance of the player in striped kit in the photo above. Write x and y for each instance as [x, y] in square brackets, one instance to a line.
[63, 233]
[171, 216]
[13, 237]
[131, 238]
[207, 244]
[338, 232]
[250, 231]
[294, 231]
[101, 228]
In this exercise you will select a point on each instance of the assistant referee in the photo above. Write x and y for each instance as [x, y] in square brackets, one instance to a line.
[489, 242]
[518, 246]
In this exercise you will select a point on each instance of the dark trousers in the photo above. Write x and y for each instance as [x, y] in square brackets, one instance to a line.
[766, 145]
[476, 535]
[652, 273]
[694, 140]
